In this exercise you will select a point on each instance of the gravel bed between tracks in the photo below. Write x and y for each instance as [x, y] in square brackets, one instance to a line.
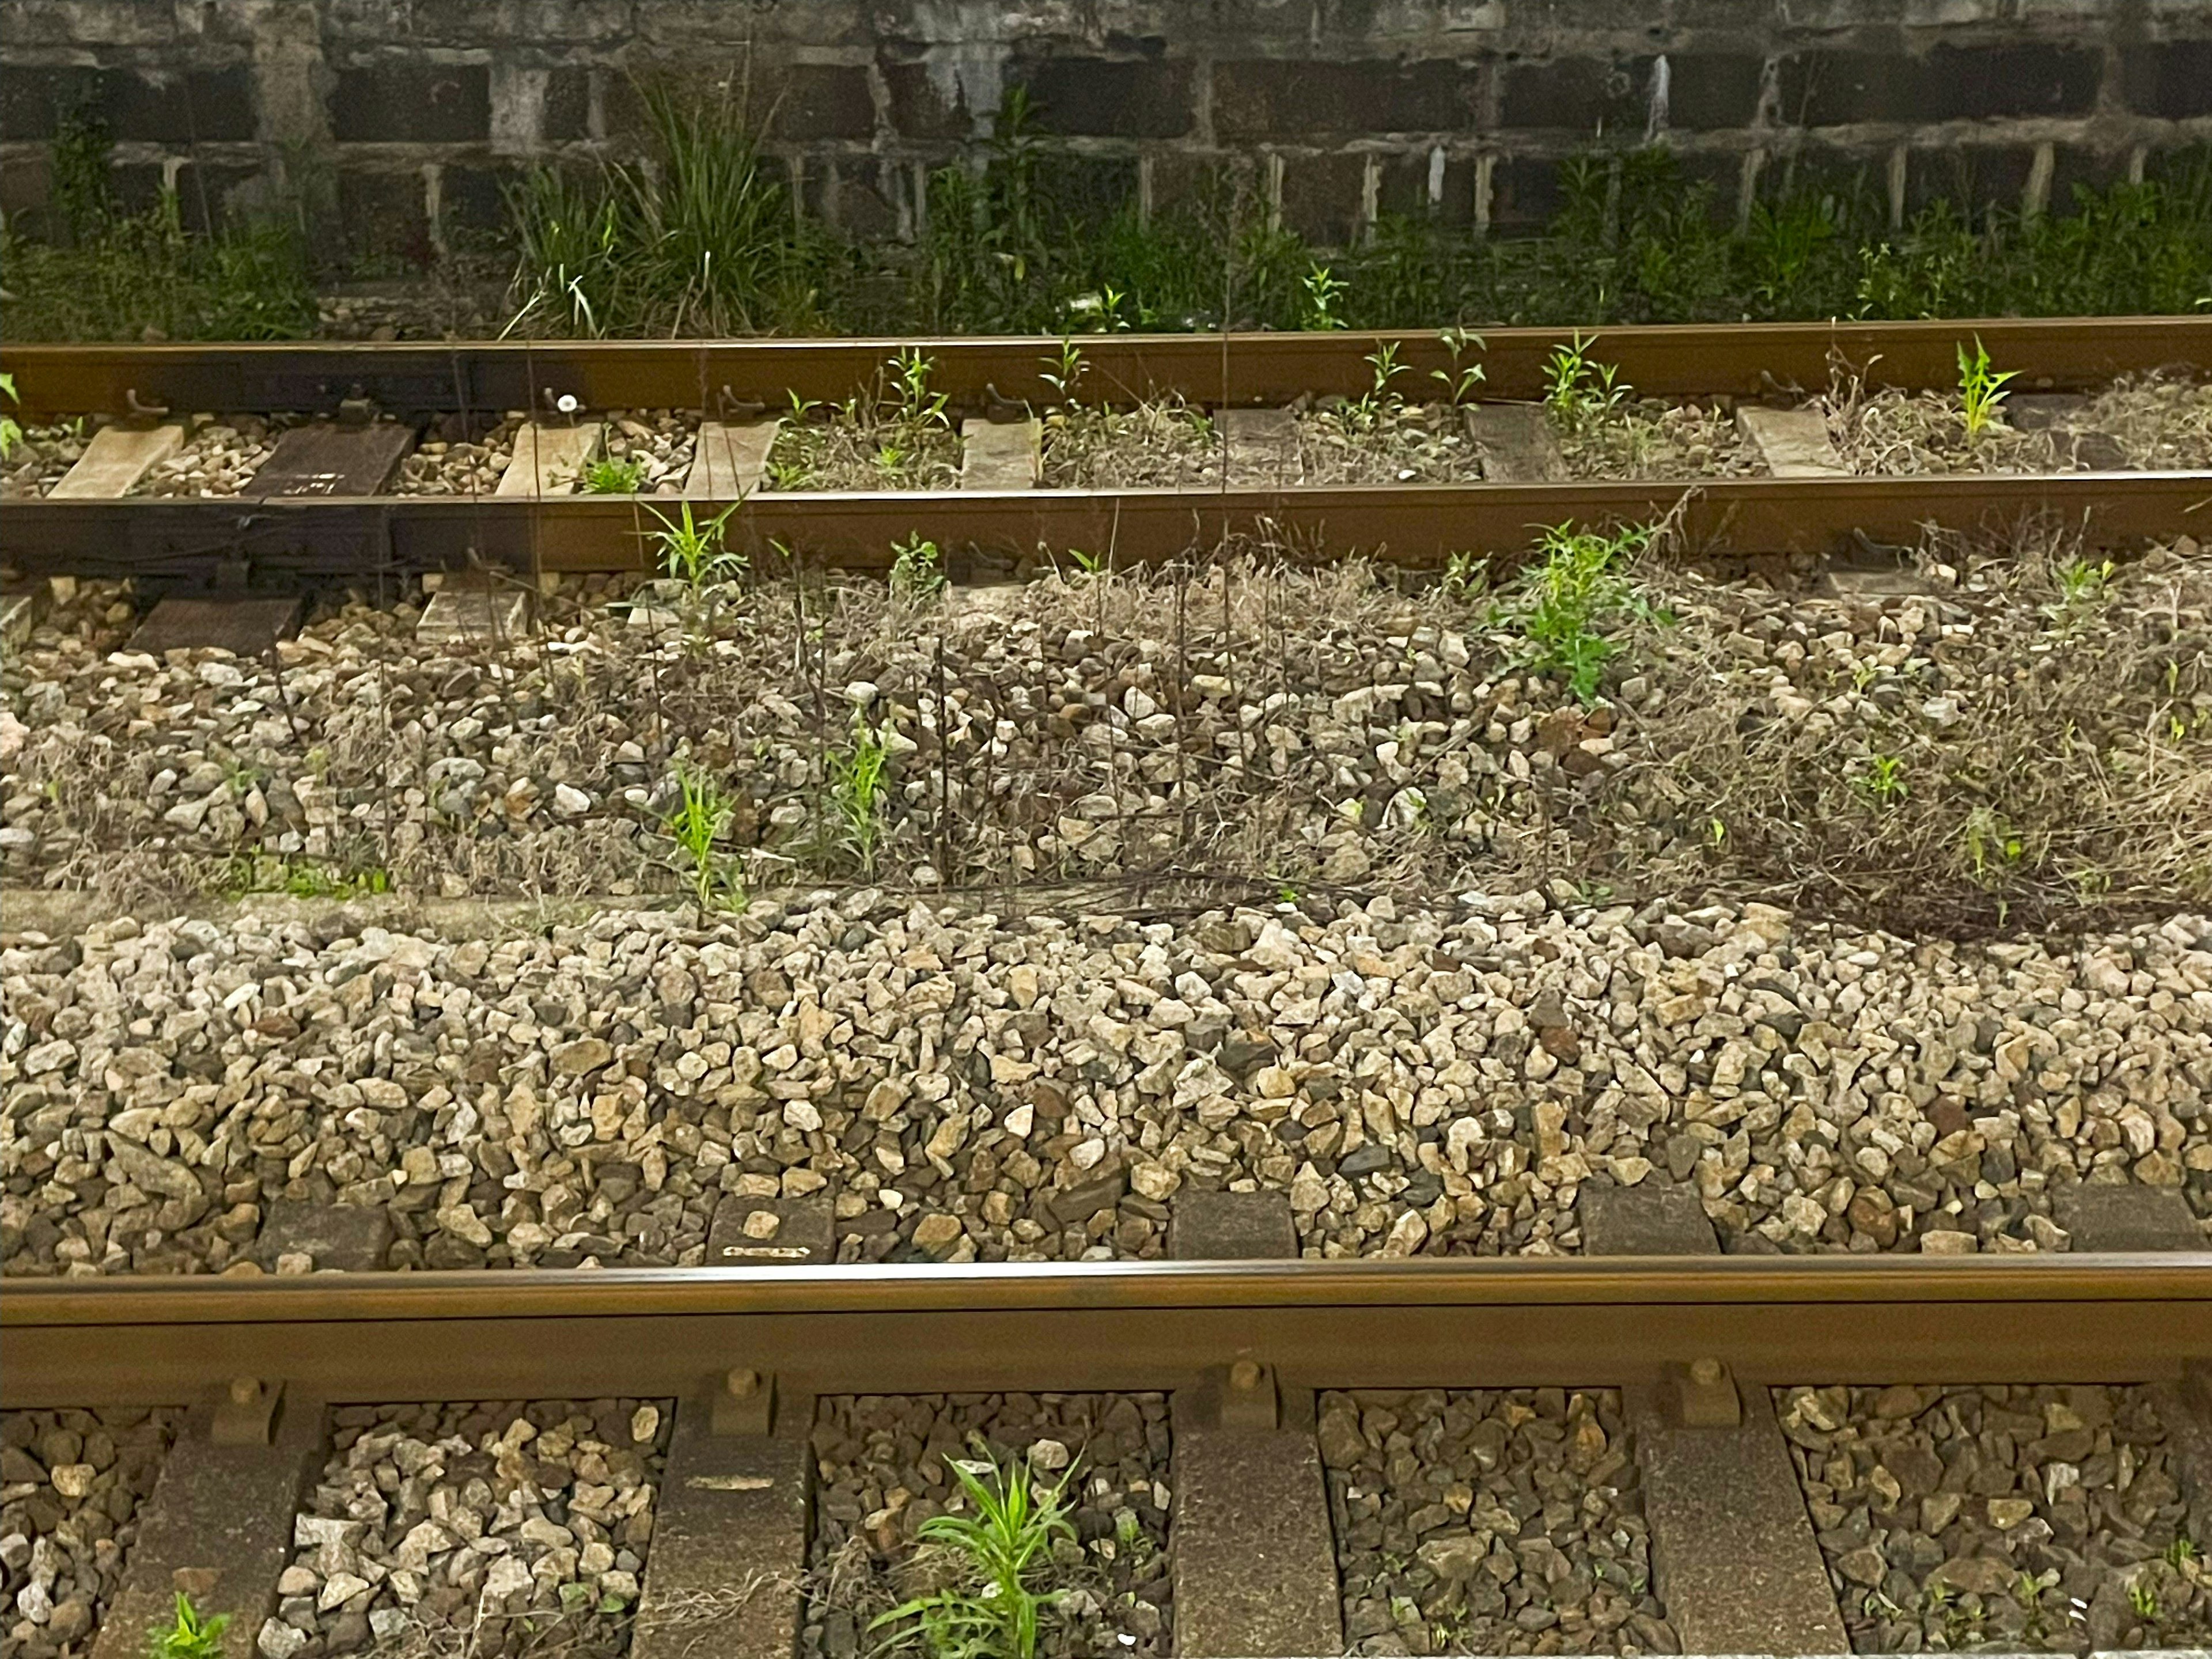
[2157, 422]
[487, 1529]
[1491, 1521]
[2030, 739]
[70, 1484]
[1961, 1517]
[219, 458]
[42, 459]
[1035, 1088]
[883, 1466]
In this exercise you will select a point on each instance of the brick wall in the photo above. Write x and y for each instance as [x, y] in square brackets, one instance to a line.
[397, 121]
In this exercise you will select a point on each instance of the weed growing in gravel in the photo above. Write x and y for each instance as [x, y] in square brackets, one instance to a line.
[856, 795]
[692, 553]
[1981, 391]
[1460, 379]
[10, 434]
[613, 475]
[2142, 1596]
[2080, 588]
[995, 1611]
[917, 571]
[1579, 392]
[1562, 605]
[190, 1634]
[703, 811]
[298, 877]
[1882, 781]
[1467, 577]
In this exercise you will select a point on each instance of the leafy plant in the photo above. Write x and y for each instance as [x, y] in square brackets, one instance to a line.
[1467, 576]
[996, 1610]
[702, 812]
[1882, 781]
[1981, 391]
[913, 402]
[1989, 845]
[1563, 604]
[1324, 293]
[692, 553]
[856, 794]
[2142, 1596]
[917, 571]
[10, 434]
[1460, 380]
[613, 475]
[1578, 391]
[1065, 372]
[2081, 583]
[190, 1633]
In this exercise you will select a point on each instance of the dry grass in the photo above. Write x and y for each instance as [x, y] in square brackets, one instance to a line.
[1162, 444]
[1653, 439]
[2046, 736]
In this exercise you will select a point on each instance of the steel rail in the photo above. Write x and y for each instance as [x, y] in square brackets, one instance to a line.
[1112, 1325]
[1739, 359]
[1418, 526]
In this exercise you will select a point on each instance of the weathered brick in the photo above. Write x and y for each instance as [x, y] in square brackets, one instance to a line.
[203, 190]
[472, 205]
[33, 96]
[206, 106]
[1524, 193]
[2075, 167]
[1951, 83]
[918, 109]
[1406, 189]
[1711, 92]
[568, 104]
[1321, 196]
[385, 217]
[411, 101]
[823, 100]
[1579, 94]
[1968, 176]
[1277, 98]
[1102, 98]
[849, 192]
[2172, 79]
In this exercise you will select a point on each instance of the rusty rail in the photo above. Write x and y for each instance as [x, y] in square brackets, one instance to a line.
[1114, 1325]
[1742, 359]
[1417, 526]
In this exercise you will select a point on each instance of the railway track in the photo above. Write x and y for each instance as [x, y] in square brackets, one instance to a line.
[320, 509]
[1648, 1447]
[747, 1392]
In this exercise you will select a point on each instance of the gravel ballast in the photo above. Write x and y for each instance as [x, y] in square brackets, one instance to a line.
[1918, 760]
[1489, 1521]
[1961, 1517]
[489, 1529]
[883, 1467]
[70, 1486]
[971, 1086]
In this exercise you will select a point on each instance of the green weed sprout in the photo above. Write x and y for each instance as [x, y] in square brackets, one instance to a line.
[913, 399]
[702, 812]
[997, 1611]
[1576, 389]
[2081, 587]
[917, 570]
[613, 475]
[1981, 391]
[692, 553]
[1883, 782]
[190, 1634]
[1562, 604]
[10, 434]
[1324, 290]
[856, 794]
[1065, 372]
